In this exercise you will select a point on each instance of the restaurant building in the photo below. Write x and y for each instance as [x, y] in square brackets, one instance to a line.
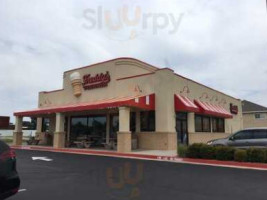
[127, 104]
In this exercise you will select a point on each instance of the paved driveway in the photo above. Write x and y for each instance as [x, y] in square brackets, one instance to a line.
[72, 177]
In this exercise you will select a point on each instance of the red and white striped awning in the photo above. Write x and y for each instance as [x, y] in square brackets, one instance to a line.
[146, 102]
[185, 104]
[214, 110]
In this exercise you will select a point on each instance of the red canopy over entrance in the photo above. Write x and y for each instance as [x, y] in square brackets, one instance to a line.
[214, 110]
[183, 103]
[144, 102]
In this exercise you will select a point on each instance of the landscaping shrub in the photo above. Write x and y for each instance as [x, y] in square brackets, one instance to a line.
[182, 151]
[193, 151]
[240, 155]
[256, 155]
[207, 152]
[201, 151]
[225, 153]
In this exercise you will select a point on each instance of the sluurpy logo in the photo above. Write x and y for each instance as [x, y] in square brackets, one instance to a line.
[123, 183]
[125, 25]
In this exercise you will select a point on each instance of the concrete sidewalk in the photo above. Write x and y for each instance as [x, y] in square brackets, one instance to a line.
[149, 154]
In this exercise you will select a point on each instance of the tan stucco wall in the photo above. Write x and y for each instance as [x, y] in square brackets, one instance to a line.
[205, 137]
[115, 88]
[157, 140]
[250, 121]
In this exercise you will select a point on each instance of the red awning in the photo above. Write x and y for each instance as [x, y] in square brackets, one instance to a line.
[214, 110]
[144, 102]
[183, 103]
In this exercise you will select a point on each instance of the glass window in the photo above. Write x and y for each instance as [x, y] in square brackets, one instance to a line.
[147, 121]
[98, 125]
[202, 123]
[244, 135]
[45, 124]
[218, 125]
[132, 122]
[181, 116]
[83, 127]
[206, 124]
[114, 126]
[221, 125]
[198, 123]
[79, 126]
[260, 134]
[260, 116]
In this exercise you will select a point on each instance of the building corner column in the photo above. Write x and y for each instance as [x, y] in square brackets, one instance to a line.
[191, 125]
[39, 134]
[17, 134]
[59, 135]
[124, 133]
[165, 110]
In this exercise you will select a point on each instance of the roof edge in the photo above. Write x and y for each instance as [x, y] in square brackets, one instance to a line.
[111, 60]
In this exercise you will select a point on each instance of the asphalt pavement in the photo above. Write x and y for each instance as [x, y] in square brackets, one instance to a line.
[70, 176]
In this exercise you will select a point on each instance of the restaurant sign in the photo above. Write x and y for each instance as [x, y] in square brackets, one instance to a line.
[234, 109]
[97, 81]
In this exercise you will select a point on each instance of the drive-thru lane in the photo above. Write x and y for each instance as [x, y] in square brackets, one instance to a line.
[70, 176]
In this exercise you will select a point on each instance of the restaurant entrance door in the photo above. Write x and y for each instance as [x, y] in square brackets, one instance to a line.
[181, 128]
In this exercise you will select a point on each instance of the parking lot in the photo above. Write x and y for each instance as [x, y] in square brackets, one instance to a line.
[68, 176]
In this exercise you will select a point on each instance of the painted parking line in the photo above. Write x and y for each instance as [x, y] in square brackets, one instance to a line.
[22, 190]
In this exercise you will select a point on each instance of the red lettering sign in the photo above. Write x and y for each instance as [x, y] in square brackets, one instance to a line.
[233, 109]
[97, 81]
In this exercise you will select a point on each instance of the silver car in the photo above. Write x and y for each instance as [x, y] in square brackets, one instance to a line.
[252, 137]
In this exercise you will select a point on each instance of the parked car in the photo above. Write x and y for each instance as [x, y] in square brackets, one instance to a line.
[9, 179]
[252, 137]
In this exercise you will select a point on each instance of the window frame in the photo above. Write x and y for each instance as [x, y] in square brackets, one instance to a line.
[87, 117]
[151, 122]
[216, 127]
[201, 129]
[262, 116]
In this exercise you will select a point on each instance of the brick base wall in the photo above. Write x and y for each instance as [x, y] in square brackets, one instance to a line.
[157, 141]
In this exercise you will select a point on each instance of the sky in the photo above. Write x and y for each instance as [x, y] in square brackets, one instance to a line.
[222, 44]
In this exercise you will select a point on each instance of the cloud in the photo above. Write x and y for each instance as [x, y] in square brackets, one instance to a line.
[219, 43]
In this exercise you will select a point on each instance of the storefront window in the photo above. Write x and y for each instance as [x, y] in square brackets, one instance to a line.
[45, 124]
[114, 125]
[202, 123]
[132, 122]
[147, 121]
[218, 125]
[206, 124]
[94, 126]
[79, 126]
[198, 123]
[97, 125]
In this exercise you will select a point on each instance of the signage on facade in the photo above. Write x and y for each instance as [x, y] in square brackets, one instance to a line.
[234, 109]
[97, 81]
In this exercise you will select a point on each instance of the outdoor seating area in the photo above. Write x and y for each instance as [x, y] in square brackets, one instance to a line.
[89, 141]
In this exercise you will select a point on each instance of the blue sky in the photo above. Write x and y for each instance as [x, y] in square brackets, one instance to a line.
[222, 44]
